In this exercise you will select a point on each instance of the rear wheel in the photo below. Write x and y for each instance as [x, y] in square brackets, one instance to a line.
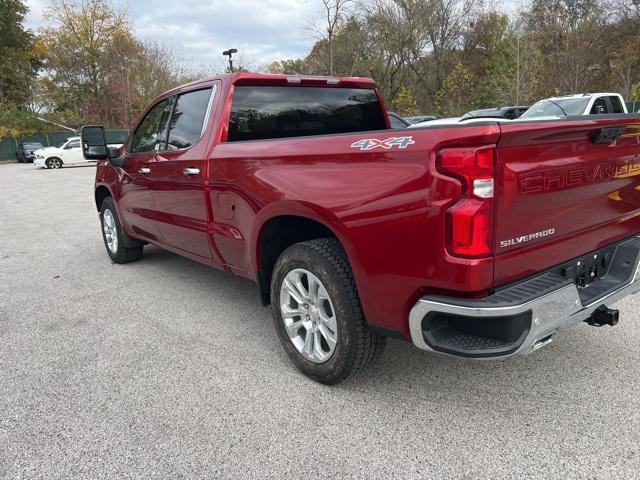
[114, 236]
[54, 162]
[318, 315]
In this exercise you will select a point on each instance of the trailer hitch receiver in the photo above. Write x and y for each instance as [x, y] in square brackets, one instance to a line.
[604, 315]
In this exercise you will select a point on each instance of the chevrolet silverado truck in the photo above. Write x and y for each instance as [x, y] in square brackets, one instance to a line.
[481, 240]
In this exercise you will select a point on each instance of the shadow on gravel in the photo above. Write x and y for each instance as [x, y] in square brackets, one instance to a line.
[563, 369]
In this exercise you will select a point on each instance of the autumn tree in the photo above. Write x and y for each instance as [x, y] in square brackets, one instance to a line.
[96, 69]
[19, 60]
[19, 64]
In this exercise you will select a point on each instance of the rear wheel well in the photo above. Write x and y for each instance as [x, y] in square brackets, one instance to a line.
[100, 194]
[276, 236]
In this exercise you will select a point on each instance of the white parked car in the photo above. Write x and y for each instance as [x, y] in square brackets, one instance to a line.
[69, 153]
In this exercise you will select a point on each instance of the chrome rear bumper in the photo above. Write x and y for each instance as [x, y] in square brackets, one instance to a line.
[548, 313]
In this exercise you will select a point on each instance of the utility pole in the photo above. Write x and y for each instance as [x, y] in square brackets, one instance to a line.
[229, 53]
[518, 70]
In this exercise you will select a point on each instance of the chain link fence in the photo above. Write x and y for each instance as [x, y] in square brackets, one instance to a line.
[9, 145]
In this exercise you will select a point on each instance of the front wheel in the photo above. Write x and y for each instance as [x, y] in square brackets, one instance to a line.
[114, 236]
[318, 315]
[54, 162]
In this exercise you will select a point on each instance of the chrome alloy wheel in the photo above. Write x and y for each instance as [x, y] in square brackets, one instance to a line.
[308, 315]
[110, 231]
[55, 163]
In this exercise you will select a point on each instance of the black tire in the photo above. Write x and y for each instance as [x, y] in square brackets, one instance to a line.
[357, 347]
[122, 253]
[54, 162]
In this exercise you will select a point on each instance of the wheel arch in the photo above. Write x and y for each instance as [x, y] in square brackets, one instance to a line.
[101, 192]
[280, 230]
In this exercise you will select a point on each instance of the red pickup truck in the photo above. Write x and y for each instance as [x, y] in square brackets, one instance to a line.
[481, 240]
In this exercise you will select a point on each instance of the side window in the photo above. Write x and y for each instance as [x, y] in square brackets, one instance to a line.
[616, 104]
[73, 144]
[145, 136]
[187, 119]
[599, 106]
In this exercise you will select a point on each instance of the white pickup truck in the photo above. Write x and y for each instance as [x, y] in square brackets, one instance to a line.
[580, 104]
[69, 153]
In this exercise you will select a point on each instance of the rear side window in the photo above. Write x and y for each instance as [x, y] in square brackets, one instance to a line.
[187, 119]
[260, 112]
[616, 104]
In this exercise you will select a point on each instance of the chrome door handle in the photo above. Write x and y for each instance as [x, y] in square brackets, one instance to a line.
[144, 170]
[191, 171]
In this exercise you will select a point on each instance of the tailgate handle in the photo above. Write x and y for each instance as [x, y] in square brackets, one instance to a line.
[607, 134]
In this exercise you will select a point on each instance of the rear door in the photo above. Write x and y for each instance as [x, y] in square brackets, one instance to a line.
[179, 175]
[560, 195]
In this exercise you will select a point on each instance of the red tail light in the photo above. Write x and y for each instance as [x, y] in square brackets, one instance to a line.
[470, 220]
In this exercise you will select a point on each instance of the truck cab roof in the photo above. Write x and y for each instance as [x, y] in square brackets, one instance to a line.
[249, 78]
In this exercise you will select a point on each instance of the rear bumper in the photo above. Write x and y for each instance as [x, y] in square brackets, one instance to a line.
[523, 317]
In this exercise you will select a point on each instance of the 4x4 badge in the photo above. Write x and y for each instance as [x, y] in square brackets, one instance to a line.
[387, 144]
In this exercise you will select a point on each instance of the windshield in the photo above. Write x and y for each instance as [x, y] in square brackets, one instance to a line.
[554, 108]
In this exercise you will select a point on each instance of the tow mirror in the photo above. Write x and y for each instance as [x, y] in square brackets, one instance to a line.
[94, 146]
[94, 142]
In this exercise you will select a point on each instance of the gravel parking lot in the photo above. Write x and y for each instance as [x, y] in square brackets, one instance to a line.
[168, 369]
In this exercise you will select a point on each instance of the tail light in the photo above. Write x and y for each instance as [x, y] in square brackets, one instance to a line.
[470, 220]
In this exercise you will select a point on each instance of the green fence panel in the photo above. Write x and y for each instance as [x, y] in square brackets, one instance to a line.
[9, 145]
[7, 148]
[117, 136]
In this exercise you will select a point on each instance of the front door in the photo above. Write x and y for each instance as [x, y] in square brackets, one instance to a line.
[137, 205]
[179, 176]
[72, 153]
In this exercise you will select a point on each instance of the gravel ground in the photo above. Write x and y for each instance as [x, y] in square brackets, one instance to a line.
[168, 369]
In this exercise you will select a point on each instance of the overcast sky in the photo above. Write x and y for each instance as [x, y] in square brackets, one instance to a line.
[263, 30]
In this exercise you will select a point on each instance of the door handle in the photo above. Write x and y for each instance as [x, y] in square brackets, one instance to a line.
[191, 171]
[144, 170]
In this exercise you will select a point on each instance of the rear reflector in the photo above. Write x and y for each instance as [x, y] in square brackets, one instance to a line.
[470, 220]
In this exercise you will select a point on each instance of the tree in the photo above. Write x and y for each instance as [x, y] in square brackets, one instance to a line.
[453, 98]
[96, 69]
[404, 103]
[333, 13]
[16, 122]
[19, 62]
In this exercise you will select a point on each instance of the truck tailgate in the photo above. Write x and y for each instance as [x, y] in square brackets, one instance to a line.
[561, 194]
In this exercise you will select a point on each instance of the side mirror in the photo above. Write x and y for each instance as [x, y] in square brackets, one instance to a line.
[94, 142]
